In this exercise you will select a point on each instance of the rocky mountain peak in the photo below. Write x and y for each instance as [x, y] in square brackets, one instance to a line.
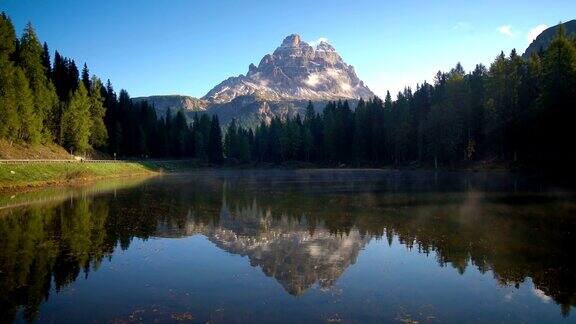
[325, 46]
[295, 71]
[252, 69]
[291, 40]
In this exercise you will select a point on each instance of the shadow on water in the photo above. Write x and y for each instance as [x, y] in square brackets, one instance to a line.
[299, 227]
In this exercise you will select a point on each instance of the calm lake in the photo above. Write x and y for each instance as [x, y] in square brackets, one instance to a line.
[291, 246]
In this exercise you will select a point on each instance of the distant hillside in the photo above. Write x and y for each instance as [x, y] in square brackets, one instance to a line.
[544, 39]
[174, 102]
[250, 110]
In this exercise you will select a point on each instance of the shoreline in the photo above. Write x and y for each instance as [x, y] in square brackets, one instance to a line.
[20, 177]
[33, 175]
[23, 187]
[24, 196]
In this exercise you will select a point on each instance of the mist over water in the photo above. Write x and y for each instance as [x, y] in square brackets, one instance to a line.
[292, 246]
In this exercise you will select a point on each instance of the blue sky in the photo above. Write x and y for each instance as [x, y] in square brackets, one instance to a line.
[187, 47]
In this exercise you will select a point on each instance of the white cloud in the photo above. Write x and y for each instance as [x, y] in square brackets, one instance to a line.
[314, 43]
[506, 30]
[534, 32]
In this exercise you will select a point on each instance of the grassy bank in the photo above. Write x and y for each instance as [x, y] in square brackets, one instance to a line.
[39, 174]
[56, 194]
[10, 150]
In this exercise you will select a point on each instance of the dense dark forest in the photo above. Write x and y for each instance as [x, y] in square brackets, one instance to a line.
[515, 111]
[44, 101]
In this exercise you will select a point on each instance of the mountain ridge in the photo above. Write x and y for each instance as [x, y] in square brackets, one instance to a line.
[295, 70]
[545, 37]
[280, 86]
[176, 102]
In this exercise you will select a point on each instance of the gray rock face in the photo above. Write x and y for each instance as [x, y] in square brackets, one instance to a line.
[280, 86]
[174, 102]
[543, 40]
[295, 71]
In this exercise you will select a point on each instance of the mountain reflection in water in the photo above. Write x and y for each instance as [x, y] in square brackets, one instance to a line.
[301, 228]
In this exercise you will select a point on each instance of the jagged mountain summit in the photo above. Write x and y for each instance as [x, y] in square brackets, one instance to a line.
[295, 71]
[280, 86]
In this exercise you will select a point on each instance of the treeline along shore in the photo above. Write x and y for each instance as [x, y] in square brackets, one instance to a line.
[516, 112]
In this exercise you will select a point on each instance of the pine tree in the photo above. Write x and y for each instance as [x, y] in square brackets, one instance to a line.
[128, 127]
[215, 154]
[362, 132]
[7, 38]
[58, 76]
[98, 132]
[9, 118]
[46, 59]
[496, 103]
[388, 101]
[231, 141]
[198, 139]
[73, 77]
[179, 135]
[261, 143]
[477, 84]
[329, 131]
[29, 128]
[76, 122]
[293, 134]
[244, 154]
[401, 121]
[17, 119]
[86, 77]
[201, 129]
[111, 118]
[309, 113]
[30, 54]
[273, 141]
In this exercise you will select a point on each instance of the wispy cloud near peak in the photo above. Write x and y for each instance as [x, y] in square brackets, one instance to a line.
[506, 30]
[314, 43]
[534, 32]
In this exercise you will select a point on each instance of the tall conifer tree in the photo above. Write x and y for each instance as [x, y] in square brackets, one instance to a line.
[215, 153]
[86, 76]
[45, 101]
[98, 132]
[76, 122]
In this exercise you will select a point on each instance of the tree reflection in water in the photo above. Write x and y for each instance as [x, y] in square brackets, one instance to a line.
[299, 228]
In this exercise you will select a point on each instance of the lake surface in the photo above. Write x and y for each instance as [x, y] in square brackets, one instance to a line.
[292, 246]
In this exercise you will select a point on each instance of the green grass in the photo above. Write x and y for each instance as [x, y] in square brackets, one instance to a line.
[56, 194]
[36, 174]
